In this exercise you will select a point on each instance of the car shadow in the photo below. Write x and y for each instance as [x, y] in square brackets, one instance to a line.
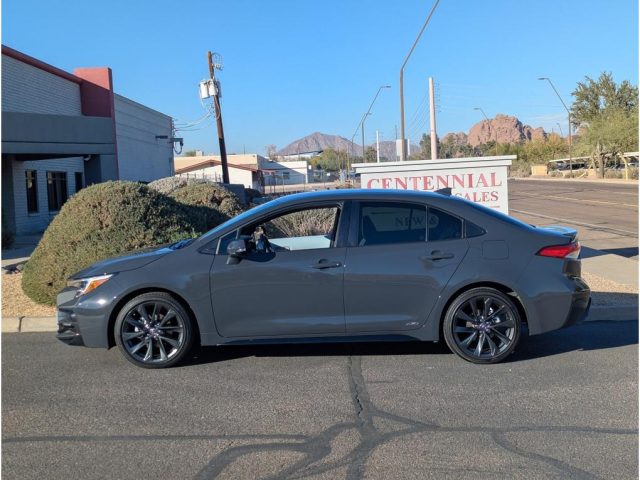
[599, 335]
[586, 336]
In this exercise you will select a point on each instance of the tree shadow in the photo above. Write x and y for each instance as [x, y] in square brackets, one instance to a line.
[586, 336]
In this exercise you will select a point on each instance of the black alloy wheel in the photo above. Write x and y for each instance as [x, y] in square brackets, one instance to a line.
[153, 330]
[482, 325]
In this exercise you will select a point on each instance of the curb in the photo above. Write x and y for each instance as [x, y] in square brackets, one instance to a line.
[598, 313]
[29, 324]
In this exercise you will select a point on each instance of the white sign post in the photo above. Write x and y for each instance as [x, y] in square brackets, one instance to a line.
[479, 179]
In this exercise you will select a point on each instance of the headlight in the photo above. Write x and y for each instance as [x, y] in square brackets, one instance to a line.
[85, 285]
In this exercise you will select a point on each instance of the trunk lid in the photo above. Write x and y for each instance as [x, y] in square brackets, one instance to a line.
[568, 232]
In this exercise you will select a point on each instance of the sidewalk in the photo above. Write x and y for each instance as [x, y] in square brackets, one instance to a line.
[612, 267]
[22, 248]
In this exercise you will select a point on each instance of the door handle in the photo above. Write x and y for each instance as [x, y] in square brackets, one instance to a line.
[322, 264]
[438, 255]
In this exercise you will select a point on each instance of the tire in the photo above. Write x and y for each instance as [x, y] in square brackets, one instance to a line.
[482, 325]
[153, 330]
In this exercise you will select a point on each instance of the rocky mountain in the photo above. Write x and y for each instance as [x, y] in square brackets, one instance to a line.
[320, 141]
[507, 129]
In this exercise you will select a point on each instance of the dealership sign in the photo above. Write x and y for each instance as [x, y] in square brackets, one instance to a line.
[480, 179]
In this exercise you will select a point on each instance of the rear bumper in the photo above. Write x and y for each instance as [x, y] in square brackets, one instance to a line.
[580, 305]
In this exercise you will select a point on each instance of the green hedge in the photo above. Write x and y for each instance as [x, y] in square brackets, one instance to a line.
[98, 222]
[114, 218]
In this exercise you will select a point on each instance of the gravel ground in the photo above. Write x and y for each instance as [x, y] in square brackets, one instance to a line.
[605, 292]
[16, 304]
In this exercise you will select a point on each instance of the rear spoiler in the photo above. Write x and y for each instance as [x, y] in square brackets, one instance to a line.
[566, 231]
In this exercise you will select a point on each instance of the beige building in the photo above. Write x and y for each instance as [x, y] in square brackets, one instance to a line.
[251, 170]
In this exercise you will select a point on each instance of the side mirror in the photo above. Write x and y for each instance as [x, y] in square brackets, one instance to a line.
[238, 248]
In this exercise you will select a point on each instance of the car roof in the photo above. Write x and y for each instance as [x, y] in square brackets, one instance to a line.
[355, 194]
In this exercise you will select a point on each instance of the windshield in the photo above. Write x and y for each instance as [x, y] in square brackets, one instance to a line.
[238, 219]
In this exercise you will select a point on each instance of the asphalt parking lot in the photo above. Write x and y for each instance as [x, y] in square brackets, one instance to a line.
[605, 214]
[564, 406]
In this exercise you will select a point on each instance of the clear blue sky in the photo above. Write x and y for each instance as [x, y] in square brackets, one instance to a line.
[295, 67]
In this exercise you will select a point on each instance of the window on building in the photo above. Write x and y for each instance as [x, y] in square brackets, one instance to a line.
[79, 182]
[285, 175]
[56, 190]
[31, 178]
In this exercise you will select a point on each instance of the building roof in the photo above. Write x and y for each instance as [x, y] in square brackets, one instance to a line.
[34, 62]
[213, 163]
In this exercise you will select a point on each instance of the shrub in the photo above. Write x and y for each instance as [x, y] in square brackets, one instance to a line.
[101, 221]
[613, 174]
[168, 185]
[209, 195]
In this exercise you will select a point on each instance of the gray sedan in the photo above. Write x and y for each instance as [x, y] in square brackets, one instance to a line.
[334, 266]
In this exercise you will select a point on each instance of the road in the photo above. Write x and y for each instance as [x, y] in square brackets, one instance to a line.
[605, 214]
[564, 406]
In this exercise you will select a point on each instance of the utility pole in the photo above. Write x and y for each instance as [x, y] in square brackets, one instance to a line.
[432, 119]
[568, 115]
[216, 104]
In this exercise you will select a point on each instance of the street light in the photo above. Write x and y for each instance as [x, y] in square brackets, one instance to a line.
[489, 122]
[403, 151]
[364, 117]
[568, 114]
[354, 136]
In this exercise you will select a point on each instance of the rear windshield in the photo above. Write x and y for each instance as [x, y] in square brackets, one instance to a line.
[493, 213]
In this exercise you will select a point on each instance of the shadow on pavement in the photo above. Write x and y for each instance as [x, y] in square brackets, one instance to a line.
[624, 252]
[587, 336]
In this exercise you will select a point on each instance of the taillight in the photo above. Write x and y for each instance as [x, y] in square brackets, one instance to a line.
[570, 250]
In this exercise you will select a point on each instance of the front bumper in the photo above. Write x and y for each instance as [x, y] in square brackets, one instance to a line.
[68, 331]
[85, 320]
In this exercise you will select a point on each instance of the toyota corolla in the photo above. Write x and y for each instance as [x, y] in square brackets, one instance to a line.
[343, 265]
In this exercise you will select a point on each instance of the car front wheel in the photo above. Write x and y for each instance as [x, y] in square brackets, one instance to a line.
[482, 325]
[153, 330]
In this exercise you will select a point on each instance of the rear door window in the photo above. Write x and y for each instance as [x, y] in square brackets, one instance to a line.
[388, 223]
[442, 226]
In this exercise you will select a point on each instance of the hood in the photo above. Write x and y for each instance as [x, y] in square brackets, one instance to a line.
[130, 261]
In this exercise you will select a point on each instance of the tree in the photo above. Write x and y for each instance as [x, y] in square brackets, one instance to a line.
[370, 155]
[330, 160]
[609, 135]
[595, 97]
[425, 146]
[607, 114]
[189, 153]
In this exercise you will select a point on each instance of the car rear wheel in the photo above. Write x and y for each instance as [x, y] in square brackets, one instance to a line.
[153, 330]
[482, 325]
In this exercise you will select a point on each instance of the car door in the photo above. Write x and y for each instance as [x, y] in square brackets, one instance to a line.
[294, 287]
[400, 257]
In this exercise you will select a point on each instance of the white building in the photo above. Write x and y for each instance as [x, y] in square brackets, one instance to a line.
[63, 131]
[251, 170]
